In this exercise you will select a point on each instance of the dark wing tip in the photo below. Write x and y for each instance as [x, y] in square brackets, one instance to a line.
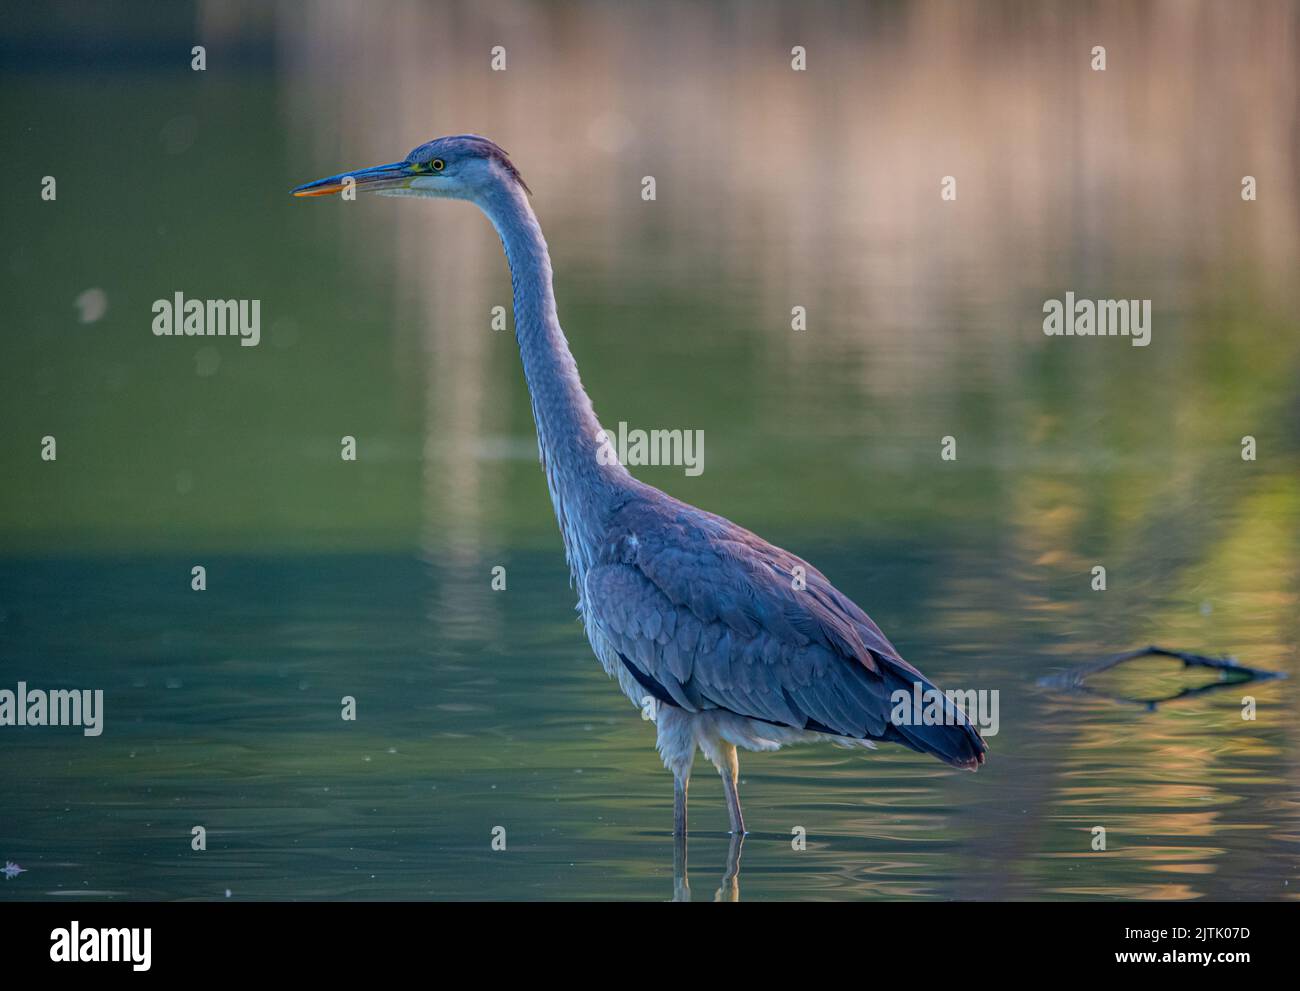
[978, 751]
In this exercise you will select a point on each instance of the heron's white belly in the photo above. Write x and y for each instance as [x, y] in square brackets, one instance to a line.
[714, 731]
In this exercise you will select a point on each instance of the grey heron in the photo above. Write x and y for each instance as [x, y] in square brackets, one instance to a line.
[734, 643]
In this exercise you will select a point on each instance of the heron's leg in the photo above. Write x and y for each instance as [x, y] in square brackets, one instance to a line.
[729, 768]
[680, 783]
[676, 745]
[681, 880]
[730, 888]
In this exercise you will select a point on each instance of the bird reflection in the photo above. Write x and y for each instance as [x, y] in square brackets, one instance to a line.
[728, 889]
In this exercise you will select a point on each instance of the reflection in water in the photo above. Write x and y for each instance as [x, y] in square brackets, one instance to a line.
[1231, 674]
[225, 713]
[1067, 180]
[728, 889]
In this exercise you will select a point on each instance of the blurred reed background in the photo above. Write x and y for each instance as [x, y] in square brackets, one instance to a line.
[776, 189]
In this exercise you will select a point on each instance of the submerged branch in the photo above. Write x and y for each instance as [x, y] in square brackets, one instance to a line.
[1231, 672]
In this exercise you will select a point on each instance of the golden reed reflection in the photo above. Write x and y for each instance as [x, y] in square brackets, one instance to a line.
[819, 184]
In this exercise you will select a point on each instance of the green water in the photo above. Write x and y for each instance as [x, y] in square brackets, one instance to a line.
[479, 709]
[223, 711]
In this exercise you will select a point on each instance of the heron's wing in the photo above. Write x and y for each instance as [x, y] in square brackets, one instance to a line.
[708, 663]
[706, 615]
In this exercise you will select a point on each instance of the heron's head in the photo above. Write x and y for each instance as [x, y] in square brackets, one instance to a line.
[460, 166]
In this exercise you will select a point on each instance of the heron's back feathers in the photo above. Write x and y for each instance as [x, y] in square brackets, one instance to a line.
[706, 615]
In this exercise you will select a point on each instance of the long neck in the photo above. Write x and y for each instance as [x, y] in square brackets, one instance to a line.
[582, 488]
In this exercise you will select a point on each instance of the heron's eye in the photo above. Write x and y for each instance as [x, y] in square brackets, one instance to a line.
[437, 165]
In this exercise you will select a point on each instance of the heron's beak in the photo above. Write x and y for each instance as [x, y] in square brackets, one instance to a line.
[372, 180]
